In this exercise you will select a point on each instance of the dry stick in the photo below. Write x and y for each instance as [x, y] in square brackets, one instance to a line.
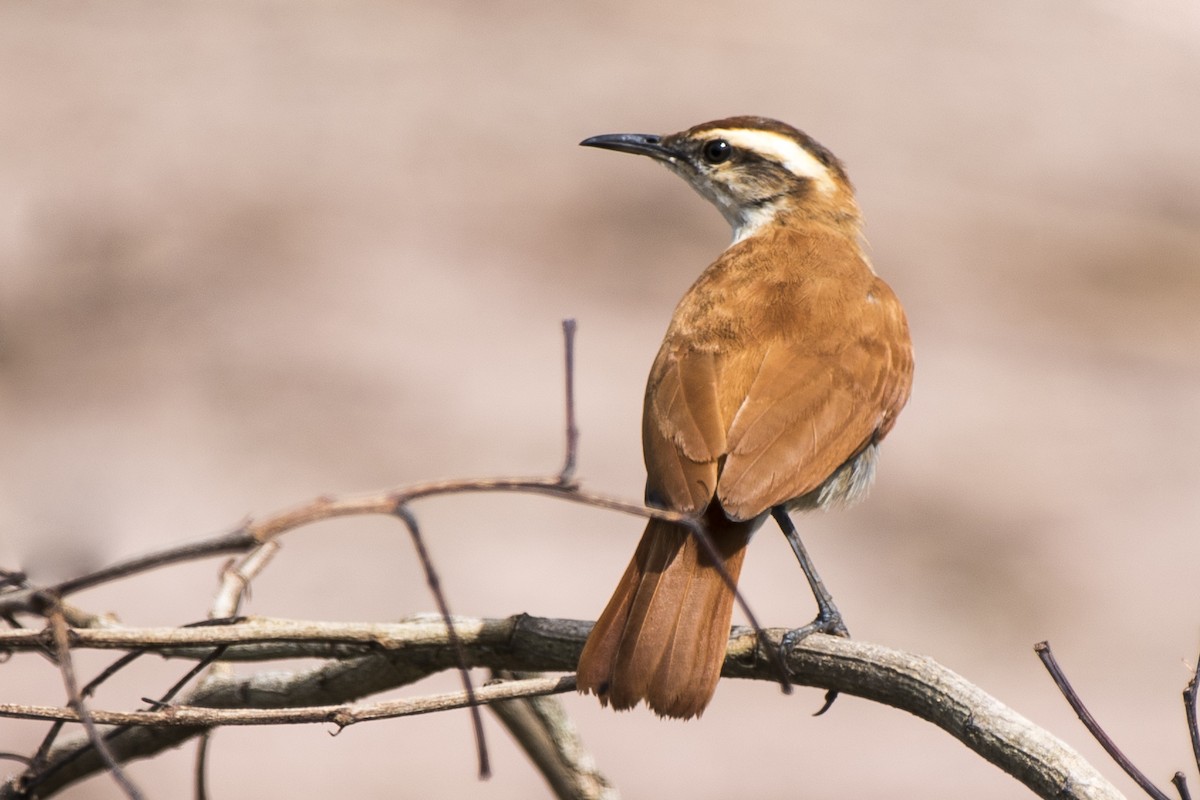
[232, 542]
[1189, 708]
[1181, 786]
[914, 683]
[251, 534]
[235, 584]
[62, 646]
[550, 739]
[201, 783]
[37, 600]
[568, 470]
[37, 778]
[435, 587]
[163, 702]
[1060, 679]
[196, 669]
[236, 577]
[130, 657]
[342, 716]
[43, 751]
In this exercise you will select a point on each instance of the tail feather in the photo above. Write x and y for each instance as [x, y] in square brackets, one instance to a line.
[662, 636]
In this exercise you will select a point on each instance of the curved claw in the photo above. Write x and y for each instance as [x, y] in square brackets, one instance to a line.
[829, 621]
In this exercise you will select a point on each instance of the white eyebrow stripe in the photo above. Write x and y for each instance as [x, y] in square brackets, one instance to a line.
[779, 148]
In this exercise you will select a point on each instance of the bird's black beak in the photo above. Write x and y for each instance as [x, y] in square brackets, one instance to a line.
[644, 144]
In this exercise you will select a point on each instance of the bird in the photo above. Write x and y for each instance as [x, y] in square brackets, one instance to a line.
[782, 369]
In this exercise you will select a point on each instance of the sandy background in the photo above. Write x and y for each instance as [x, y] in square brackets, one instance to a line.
[253, 252]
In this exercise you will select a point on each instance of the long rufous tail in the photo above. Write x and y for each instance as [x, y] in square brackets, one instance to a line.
[662, 637]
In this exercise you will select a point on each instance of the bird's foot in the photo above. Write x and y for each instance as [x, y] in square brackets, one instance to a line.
[829, 621]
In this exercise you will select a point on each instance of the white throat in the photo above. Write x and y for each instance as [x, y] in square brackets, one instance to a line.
[752, 221]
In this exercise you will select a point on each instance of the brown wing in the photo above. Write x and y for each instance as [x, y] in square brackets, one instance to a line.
[820, 396]
[774, 418]
[803, 417]
[683, 429]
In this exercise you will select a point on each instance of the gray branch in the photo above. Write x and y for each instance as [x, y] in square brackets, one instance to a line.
[369, 659]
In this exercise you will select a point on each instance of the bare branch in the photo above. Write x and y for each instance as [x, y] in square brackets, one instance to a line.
[37, 600]
[1181, 786]
[62, 651]
[236, 577]
[435, 588]
[913, 683]
[1089, 722]
[1189, 709]
[343, 716]
[547, 735]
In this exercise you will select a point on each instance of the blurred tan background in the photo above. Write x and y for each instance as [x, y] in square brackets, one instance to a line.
[254, 252]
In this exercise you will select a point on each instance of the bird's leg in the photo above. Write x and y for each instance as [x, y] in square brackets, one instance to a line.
[828, 619]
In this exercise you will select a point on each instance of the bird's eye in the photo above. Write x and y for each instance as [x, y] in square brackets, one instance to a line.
[717, 151]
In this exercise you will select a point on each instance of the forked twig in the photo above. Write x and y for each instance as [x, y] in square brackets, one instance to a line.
[1060, 679]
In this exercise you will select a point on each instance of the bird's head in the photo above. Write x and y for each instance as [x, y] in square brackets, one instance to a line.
[755, 170]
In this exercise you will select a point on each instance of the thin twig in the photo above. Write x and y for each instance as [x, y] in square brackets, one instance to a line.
[43, 751]
[1181, 786]
[435, 588]
[568, 470]
[62, 644]
[358, 638]
[111, 670]
[1189, 709]
[35, 599]
[340, 715]
[196, 669]
[1060, 680]
[546, 733]
[236, 577]
[201, 782]
[129, 658]
[232, 542]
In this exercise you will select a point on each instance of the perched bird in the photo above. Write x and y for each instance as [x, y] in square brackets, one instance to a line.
[783, 367]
